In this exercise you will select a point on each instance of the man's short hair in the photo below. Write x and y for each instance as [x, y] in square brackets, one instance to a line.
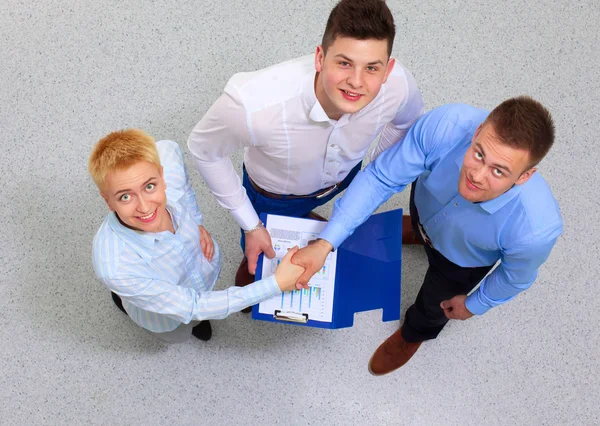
[362, 20]
[524, 123]
[120, 150]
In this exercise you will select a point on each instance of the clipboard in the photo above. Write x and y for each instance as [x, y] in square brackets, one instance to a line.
[368, 275]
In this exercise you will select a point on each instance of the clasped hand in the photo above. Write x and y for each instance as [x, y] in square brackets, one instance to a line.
[287, 273]
[299, 264]
[311, 258]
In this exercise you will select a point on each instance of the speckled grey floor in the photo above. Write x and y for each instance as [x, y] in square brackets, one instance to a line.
[71, 71]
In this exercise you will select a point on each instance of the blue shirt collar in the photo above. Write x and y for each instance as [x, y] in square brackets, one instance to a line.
[142, 242]
[495, 204]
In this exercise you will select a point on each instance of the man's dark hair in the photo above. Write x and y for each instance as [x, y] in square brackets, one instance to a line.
[524, 123]
[362, 20]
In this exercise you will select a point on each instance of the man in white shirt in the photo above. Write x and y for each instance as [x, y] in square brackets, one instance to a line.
[306, 124]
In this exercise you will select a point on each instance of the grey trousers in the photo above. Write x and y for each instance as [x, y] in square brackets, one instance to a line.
[180, 335]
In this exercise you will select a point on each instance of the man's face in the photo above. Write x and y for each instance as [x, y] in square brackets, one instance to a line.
[350, 74]
[137, 196]
[490, 167]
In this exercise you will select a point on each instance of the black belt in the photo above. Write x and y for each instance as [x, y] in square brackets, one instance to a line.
[319, 194]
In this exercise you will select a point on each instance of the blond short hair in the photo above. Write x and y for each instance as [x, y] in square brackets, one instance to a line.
[120, 150]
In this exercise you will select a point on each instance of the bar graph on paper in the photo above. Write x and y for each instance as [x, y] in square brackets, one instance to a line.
[308, 301]
[317, 300]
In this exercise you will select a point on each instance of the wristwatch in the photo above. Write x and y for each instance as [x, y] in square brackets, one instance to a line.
[257, 227]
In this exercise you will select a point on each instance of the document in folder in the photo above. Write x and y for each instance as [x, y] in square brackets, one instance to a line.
[314, 303]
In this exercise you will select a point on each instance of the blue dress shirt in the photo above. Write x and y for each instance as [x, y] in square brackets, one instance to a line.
[519, 227]
[163, 279]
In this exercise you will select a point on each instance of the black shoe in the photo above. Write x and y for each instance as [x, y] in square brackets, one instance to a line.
[202, 331]
[118, 302]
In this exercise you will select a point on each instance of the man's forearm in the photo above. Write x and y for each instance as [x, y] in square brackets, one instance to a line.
[360, 200]
[225, 184]
[494, 290]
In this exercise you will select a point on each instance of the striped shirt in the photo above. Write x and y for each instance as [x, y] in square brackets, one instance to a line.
[163, 279]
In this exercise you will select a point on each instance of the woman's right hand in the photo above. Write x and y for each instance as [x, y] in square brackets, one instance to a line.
[287, 273]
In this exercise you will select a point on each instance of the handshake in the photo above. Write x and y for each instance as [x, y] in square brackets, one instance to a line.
[299, 265]
[293, 272]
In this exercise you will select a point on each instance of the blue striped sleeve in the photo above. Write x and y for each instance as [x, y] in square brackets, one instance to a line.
[186, 304]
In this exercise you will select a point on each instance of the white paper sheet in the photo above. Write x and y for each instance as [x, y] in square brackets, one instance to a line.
[317, 300]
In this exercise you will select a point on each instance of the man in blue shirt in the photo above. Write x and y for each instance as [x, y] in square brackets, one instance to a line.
[476, 200]
[152, 250]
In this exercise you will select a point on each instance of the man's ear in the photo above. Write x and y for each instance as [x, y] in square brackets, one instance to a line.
[319, 58]
[106, 201]
[525, 176]
[390, 67]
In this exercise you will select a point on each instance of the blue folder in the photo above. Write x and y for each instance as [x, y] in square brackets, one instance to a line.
[368, 273]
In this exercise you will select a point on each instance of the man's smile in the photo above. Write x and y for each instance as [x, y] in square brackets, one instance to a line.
[471, 185]
[351, 96]
[148, 218]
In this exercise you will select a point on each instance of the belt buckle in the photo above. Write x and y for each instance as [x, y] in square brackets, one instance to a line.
[424, 235]
[329, 191]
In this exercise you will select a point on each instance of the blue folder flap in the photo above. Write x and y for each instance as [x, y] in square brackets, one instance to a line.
[369, 270]
[378, 238]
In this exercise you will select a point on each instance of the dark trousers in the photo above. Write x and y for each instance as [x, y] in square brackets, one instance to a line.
[296, 207]
[425, 319]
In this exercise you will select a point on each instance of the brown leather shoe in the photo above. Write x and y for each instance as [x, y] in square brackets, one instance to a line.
[408, 235]
[392, 354]
[315, 216]
[243, 278]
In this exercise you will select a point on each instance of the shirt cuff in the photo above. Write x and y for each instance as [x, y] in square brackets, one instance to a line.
[474, 305]
[245, 215]
[262, 290]
[272, 286]
[334, 233]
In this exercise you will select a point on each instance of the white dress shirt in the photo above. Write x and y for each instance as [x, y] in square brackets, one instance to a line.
[163, 279]
[291, 145]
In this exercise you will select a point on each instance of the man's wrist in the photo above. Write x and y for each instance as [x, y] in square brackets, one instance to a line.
[245, 215]
[258, 226]
[474, 305]
[325, 244]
